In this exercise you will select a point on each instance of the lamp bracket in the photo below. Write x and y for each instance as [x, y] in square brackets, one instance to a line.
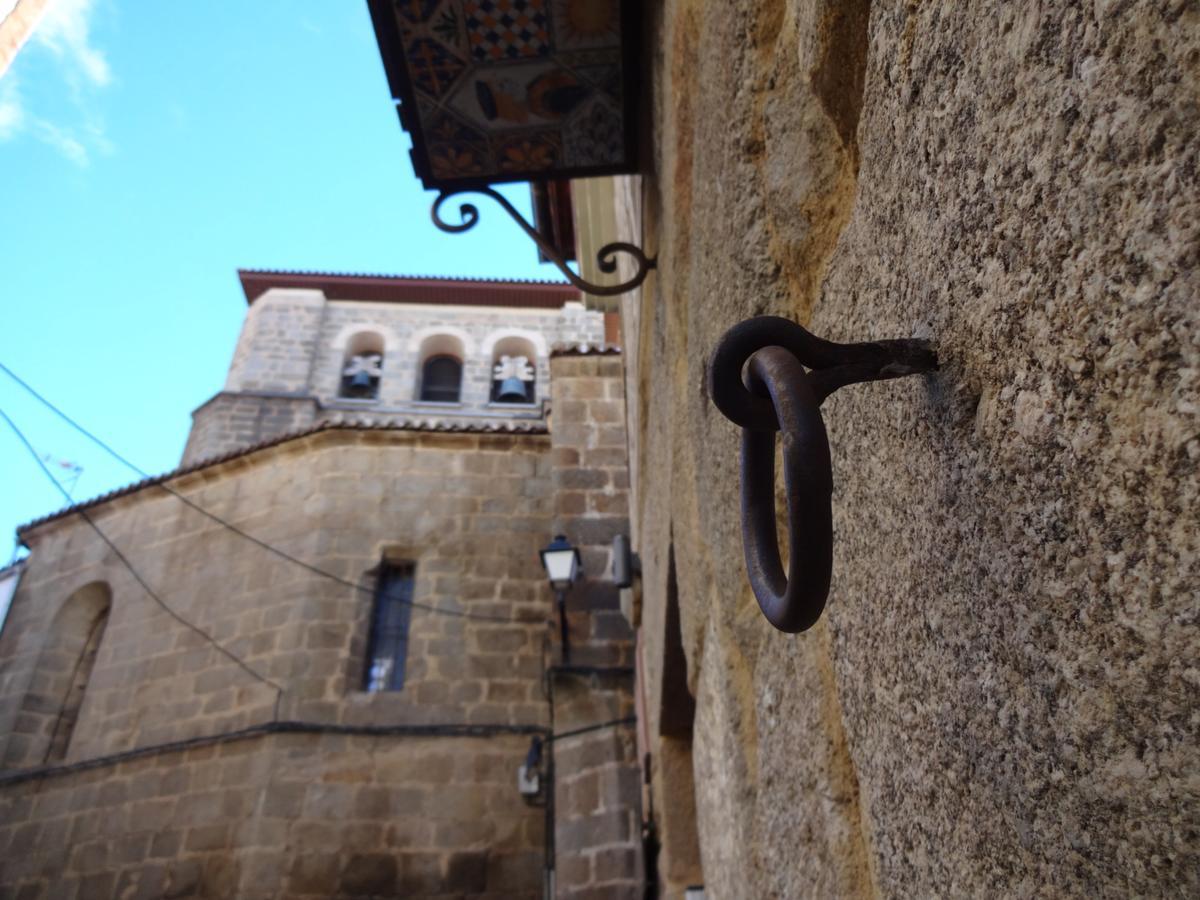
[777, 394]
[605, 258]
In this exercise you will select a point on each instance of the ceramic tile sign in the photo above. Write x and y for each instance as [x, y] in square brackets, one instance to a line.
[512, 90]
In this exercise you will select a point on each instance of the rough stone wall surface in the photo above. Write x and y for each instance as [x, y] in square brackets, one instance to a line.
[1000, 698]
[597, 816]
[290, 815]
[232, 420]
[280, 816]
[591, 498]
[470, 511]
[597, 810]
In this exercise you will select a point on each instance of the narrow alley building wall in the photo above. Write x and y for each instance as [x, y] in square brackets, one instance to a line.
[998, 698]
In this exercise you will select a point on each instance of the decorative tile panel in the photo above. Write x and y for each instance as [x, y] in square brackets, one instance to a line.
[512, 90]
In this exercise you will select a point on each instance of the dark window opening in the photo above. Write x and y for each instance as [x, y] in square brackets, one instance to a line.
[387, 649]
[441, 379]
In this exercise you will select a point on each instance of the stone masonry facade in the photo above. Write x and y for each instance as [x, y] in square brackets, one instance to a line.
[1000, 698]
[430, 804]
[170, 768]
[597, 815]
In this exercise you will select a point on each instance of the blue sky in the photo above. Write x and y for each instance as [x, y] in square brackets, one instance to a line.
[147, 151]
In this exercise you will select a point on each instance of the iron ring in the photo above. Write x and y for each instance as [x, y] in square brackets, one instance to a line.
[739, 343]
[793, 601]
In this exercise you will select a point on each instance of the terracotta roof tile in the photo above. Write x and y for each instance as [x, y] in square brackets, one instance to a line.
[413, 288]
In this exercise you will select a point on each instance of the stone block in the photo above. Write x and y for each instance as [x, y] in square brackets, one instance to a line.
[165, 843]
[419, 874]
[466, 873]
[315, 874]
[580, 479]
[611, 827]
[616, 864]
[207, 837]
[96, 887]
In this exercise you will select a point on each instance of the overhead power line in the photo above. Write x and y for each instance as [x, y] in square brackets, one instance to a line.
[246, 667]
[270, 548]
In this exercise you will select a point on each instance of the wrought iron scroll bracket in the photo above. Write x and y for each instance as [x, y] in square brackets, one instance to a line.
[605, 258]
[757, 379]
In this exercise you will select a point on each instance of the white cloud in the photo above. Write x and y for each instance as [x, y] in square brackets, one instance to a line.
[65, 31]
[12, 113]
[62, 141]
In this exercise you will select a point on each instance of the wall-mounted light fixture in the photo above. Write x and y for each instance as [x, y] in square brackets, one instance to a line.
[625, 563]
[529, 774]
[757, 379]
[562, 564]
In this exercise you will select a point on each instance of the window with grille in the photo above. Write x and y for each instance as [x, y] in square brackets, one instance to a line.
[441, 379]
[387, 648]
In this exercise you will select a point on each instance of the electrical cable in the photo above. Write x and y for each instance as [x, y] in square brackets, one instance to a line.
[457, 730]
[283, 554]
[612, 723]
[137, 576]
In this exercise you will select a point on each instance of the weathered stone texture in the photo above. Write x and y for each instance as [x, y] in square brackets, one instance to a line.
[276, 815]
[290, 816]
[233, 420]
[341, 501]
[1000, 698]
[597, 814]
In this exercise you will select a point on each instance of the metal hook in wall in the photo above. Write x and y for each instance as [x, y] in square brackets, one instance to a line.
[605, 257]
[757, 379]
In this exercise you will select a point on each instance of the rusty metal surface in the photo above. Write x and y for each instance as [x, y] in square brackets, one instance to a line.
[757, 379]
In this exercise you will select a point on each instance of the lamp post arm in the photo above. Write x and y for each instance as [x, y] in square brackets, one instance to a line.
[560, 597]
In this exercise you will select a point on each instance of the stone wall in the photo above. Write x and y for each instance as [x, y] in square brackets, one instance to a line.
[597, 814]
[997, 699]
[279, 816]
[470, 510]
[236, 420]
[359, 814]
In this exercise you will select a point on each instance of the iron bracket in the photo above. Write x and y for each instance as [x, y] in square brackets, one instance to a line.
[757, 379]
[605, 257]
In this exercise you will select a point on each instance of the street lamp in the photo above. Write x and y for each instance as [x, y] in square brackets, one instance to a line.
[561, 562]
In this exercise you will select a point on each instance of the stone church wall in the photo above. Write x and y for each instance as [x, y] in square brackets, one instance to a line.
[292, 816]
[997, 699]
[427, 806]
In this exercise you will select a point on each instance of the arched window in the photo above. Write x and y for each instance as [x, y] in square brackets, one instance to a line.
[441, 359]
[362, 367]
[514, 371]
[65, 664]
[441, 379]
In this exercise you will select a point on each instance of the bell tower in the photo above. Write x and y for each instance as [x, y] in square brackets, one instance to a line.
[375, 350]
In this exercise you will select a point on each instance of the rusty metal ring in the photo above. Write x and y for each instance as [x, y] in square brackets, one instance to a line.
[738, 344]
[833, 365]
[793, 601]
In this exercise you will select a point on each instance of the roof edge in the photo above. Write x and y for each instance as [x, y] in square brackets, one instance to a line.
[412, 288]
[417, 426]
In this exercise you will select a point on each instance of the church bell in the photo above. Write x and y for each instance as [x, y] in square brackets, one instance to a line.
[360, 381]
[512, 390]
